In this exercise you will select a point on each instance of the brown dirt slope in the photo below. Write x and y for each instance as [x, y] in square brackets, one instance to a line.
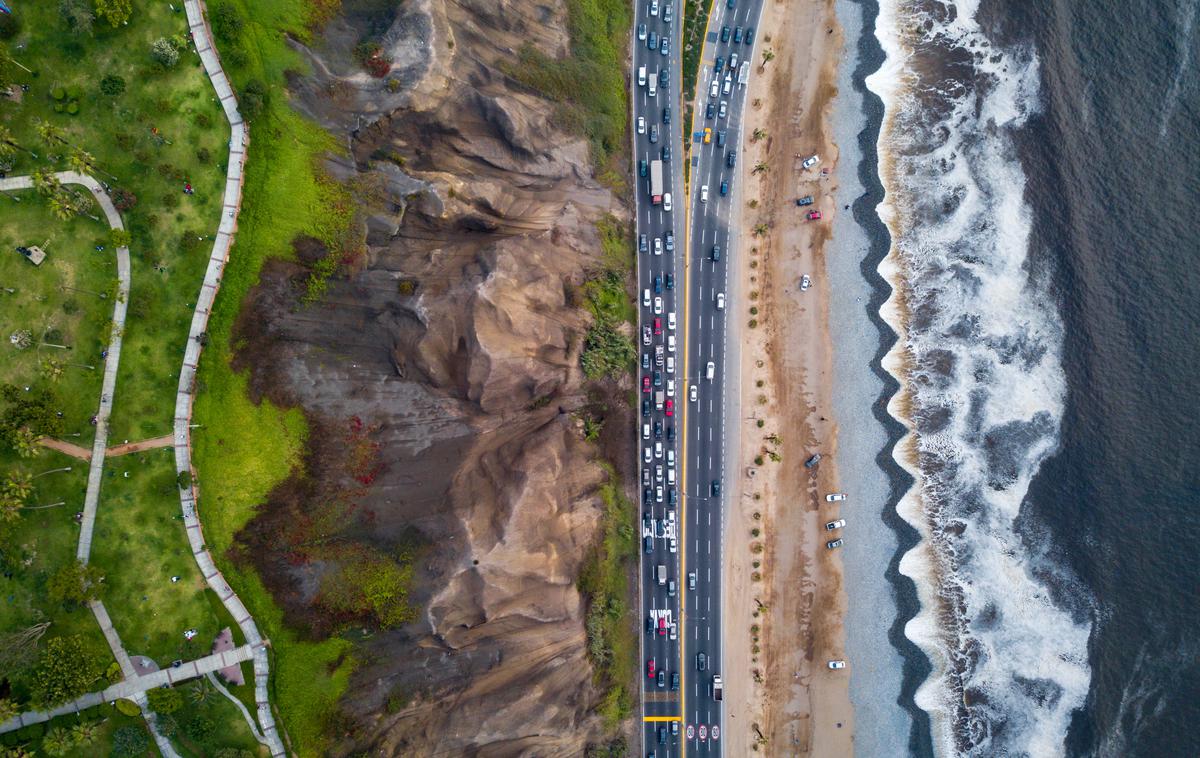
[440, 376]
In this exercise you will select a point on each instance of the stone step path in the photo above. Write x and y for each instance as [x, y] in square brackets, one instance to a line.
[83, 454]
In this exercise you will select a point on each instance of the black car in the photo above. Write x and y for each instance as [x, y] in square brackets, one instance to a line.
[716, 253]
[806, 200]
[664, 78]
[652, 41]
[709, 112]
[731, 158]
[749, 40]
[662, 735]
[666, 153]
[658, 284]
[674, 680]
[716, 487]
[671, 496]
[720, 141]
[724, 33]
[657, 378]
[670, 434]
[670, 281]
[720, 65]
[649, 621]
[645, 408]
[643, 167]
[737, 35]
[730, 3]
[658, 429]
[724, 188]
[648, 544]
[667, 115]
[647, 496]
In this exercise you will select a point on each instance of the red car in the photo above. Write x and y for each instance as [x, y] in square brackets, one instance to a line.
[657, 325]
[814, 215]
[670, 406]
[645, 384]
[650, 668]
[662, 626]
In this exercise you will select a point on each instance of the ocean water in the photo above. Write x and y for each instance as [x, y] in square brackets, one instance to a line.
[1038, 169]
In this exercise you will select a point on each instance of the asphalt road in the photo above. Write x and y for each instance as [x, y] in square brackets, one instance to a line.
[659, 433]
[695, 525]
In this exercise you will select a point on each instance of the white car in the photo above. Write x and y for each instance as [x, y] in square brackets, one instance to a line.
[837, 665]
[641, 124]
[715, 88]
[667, 202]
[835, 497]
[727, 85]
[671, 320]
[835, 525]
[674, 545]
[694, 393]
[646, 298]
[658, 306]
[646, 430]
[658, 494]
[658, 450]
[810, 161]
[720, 301]
[642, 32]
[805, 283]
[674, 631]
[658, 473]
[704, 193]
[670, 458]
[670, 364]
[647, 453]
[671, 343]
[670, 388]
[671, 476]
[658, 246]
[653, 7]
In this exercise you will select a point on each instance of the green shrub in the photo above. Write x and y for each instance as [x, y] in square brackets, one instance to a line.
[112, 85]
[129, 741]
[165, 700]
[58, 93]
[164, 53]
[73, 92]
[128, 707]
[73, 108]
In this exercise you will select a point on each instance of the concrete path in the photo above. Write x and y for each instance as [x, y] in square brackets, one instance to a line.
[230, 206]
[136, 686]
[92, 497]
[83, 454]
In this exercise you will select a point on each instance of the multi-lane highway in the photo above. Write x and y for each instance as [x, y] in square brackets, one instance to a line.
[684, 299]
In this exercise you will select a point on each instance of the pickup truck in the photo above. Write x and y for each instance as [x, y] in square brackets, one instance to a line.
[659, 397]
[662, 575]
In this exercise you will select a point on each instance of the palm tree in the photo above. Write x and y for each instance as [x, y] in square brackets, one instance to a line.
[61, 206]
[52, 369]
[760, 167]
[8, 710]
[45, 182]
[50, 134]
[14, 491]
[760, 230]
[759, 134]
[85, 733]
[8, 147]
[57, 742]
[768, 55]
[202, 691]
[80, 160]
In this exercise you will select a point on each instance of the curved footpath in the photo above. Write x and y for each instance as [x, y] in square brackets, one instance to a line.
[230, 205]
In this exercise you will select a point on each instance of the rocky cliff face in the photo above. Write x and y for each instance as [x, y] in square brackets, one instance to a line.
[453, 350]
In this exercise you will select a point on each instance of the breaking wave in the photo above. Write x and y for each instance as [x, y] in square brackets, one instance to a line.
[982, 386]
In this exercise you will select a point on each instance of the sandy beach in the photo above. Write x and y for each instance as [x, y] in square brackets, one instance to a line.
[784, 598]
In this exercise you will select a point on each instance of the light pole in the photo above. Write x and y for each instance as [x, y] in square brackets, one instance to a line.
[51, 471]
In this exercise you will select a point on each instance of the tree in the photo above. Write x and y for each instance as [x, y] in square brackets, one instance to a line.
[202, 691]
[118, 237]
[57, 742]
[253, 100]
[759, 134]
[80, 160]
[76, 15]
[768, 56]
[165, 700]
[115, 12]
[14, 493]
[18, 649]
[8, 709]
[112, 85]
[65, 670]
[75, 584]
[45, 182]
[129, 741]
[85, 733]
[164, 52]
[35, 410]
[760, 167]
[61, 207]
[51, 134]
[122, 198]
[760, 230]
[8, 146]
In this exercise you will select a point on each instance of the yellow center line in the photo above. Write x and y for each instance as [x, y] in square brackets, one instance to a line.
[661, 718]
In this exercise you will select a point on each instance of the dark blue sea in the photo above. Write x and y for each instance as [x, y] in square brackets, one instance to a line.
[1040, 170]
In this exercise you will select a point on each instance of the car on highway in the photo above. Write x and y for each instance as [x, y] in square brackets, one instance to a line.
[723, 109]
[645, 361]
[658, 245]
[662, 626]
[667, 202]
[658, 325]
[662, 678]
[650, 668]
[645, 384]
[721, 138]
[658, 450]
[731, 158]
[718, 66]
[643, 244]
[749, 40]
[646, 298]
[694, 393]
[691, 581]
[839, 664]
[668, 13]
[710, 111]
[720, 301]
[716, 488]
[645, 335]
[674, 679]
[724, 33]
[652, 41]
[641, 32]
[835, 525]
[701, 661]
[805, 283]
[670, 388]
[833, 544]
[835, 497]
[733, 59]
[715, 89]
[670, 242]
[669, 407]
[641, 125]
[658, 494]
[664, 78]
[658, 430]
[643, 167]
[724, 188]
[710, 370]
[671, 319]
[658, 381]
[645, 407]
[704, 193]
[727, 84]
[716, 254]
[670, 434]
[810, 161]
[662, 735]
[653, 7]
[648, 543]
[664, 46]
[654, 134]
[666, 155]
[813, 215]
[658, 284]
[730, 4]
[707, 135]
[649, 619]
[670, 343]
[806, 200]
[646, 434]
[737, 36]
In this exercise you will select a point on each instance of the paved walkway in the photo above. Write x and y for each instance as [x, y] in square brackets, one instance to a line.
[83, 454]
[231, 203]
[92, 498]
[136, 686]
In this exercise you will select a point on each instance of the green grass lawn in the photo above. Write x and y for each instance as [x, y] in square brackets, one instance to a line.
[165, 129]
[33, 299]
[202, 704]
[105, 719]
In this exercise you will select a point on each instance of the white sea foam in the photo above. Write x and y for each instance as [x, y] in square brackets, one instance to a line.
[982, 388]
